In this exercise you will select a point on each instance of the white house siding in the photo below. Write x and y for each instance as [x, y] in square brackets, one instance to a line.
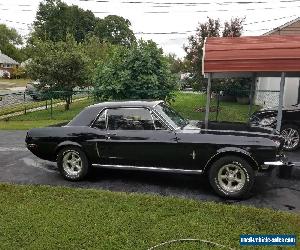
[271, 99]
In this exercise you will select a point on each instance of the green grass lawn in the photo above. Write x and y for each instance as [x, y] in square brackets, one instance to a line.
[9, 83]
[43, 118]
[41, 217]
[26, 125]
[188, 104]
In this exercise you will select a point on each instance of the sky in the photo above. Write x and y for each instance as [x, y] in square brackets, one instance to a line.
[169, 23]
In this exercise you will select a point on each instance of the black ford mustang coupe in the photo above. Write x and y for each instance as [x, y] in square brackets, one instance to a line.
[149, 135]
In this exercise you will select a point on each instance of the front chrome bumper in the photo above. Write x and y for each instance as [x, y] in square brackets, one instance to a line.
[268, 164]
[283, 165]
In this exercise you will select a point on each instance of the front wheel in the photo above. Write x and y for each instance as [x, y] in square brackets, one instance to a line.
[231, 177]
[291, 137]
[72, 163]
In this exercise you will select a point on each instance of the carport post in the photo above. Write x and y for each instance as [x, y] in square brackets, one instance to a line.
[279, 114]
[208, 90]
[251, 97]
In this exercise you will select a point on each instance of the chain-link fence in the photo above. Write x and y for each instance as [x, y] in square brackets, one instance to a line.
[14, 104]
[234, 107]
[238, 106]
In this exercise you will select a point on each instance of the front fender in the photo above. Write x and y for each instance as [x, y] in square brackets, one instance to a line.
[233, 151]
[67, 143]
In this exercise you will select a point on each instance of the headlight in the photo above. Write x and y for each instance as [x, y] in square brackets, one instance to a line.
[267, 121]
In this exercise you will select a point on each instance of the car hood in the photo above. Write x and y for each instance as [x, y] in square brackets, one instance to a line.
[246, 132]
[233, 128]
[271, 112]
[275, 109]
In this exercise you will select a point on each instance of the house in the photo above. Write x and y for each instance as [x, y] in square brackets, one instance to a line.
[267, 88]
[6, 64]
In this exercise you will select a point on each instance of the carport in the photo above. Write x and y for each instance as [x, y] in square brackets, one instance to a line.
[255, 56]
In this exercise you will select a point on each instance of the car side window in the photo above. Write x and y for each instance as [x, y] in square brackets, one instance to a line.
[100, 123]
[129, 119]
[158, 124]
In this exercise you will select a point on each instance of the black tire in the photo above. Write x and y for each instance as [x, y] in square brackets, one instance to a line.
[243, 180]
[296, 129]
[65, 169]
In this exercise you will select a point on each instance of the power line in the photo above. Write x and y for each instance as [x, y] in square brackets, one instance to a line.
[17, 22]
[189, 31]
[269, 20]
[172, 32]
[196, 11]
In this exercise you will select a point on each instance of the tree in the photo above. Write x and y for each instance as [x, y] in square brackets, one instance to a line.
[60, 65]
[115, 29]
[9, 40]
[138, 72]
[176, 65]
[211, 28]
[233, 28]
[55, 19]
[96, 50]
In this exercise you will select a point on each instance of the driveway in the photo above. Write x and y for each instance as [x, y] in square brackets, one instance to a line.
[18, 165]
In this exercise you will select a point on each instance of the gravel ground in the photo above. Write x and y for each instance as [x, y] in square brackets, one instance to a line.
[18, 165]
[12, 97]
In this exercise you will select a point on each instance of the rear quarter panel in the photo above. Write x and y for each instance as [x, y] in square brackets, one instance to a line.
[51, 139]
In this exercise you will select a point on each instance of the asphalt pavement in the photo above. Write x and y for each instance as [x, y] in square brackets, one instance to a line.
[19, 166]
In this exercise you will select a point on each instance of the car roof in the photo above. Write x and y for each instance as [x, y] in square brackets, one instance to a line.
[128, 103]
[88, 115]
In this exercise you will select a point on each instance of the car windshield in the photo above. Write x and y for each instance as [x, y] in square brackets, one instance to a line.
[171, 115]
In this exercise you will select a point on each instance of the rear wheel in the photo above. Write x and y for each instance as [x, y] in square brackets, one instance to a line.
[291, 137]
[72, 163]
[231, 177]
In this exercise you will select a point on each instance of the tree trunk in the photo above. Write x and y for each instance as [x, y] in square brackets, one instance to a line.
[68, 101]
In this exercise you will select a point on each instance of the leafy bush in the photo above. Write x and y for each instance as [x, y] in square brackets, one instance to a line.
[234, 87]
[18, 72]
[138, 72]
[196, 86]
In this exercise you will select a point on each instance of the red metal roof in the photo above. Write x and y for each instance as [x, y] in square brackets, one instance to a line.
[251, 54]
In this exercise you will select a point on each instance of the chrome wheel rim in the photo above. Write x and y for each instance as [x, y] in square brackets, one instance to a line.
[231, 177]
[72, 163]
[291, 138]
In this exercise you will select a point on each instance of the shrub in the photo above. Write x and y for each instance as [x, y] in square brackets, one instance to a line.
[138, 72]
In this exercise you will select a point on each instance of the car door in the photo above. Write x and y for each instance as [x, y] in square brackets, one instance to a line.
[135, 137]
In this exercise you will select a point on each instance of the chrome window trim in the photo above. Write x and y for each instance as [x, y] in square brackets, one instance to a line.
[159, 102]
[156, 113]
[97, 117]
[130, 107]
[164, 120]
[159, 119]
